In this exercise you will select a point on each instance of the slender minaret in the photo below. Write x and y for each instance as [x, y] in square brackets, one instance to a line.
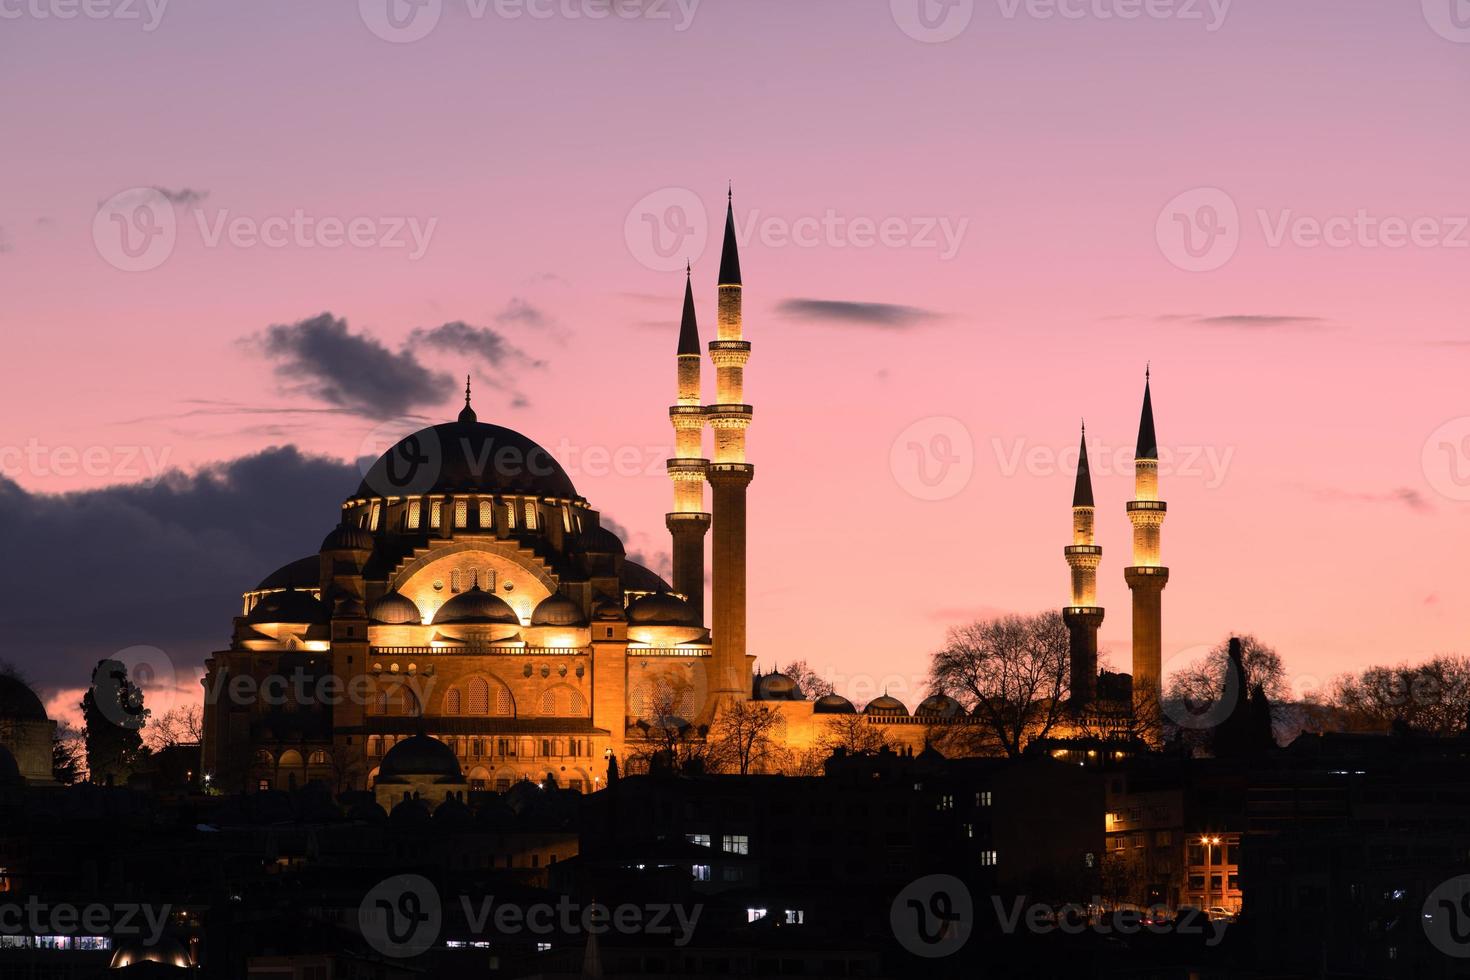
[1083, 615]
[688, 522]
[729, 476]
[1147, 576]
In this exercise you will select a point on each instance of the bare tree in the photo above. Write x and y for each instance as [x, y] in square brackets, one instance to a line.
[742, 737]
[666, 725]
[1203, 681]
[183, 725]
[812, 684]
[852, 734]
[1432, 697]
[1010, 673]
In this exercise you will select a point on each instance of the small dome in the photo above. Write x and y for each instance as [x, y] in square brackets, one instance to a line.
[661, 609]
[601, 541]
[607, 609]
[348, 607]
[777, 687]
[558, 610]
[344, 537]
[476, 606]
[940, 706]
[833, 704]
[886, 705]
[395, 609]
[289, 606]
[18, 702]
[303, 573]
[420, 755]
[453, 815]
[167, 951]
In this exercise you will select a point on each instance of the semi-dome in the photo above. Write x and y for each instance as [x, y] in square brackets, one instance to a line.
[607, 609]
[420, 755]
[940, 706]
[661, 609]
[599, 540]
[466, 456]
[395, 609]
[777, 686]
[289, 606]
[833, 704]
[558, 610]
[18, 702]
[301, 573]
[345, 537]
[633, 577]
[476, 606]
[885, 705]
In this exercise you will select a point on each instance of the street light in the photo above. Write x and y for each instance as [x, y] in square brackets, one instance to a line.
[1209, 843]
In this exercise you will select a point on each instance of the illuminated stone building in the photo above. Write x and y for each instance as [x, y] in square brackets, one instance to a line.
[470, 596]
[25, 734]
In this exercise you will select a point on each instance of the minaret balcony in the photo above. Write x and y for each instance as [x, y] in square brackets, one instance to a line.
[729, 416]
[1082, 549]
[729, 353]
[1136, 506]
[690, 412]
[692, 469]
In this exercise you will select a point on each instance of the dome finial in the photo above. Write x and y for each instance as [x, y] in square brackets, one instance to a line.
[467, 414]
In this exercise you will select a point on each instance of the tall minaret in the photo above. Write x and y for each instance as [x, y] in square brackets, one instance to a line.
[688, 522]
[729, 475]
[1083, 615]
[1147, 576]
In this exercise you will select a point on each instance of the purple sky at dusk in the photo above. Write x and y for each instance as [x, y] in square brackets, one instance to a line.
[992, 225]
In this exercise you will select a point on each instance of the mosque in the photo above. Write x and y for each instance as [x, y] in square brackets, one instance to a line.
[470, 622]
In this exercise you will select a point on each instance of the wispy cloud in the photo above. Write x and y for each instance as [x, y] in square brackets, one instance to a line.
[1399, 496]
[1245, 321]
[881, 316]
[183, 197]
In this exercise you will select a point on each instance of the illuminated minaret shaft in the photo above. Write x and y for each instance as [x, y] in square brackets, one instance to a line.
[688, 521]
[1083, 615]
[1147, 576]
[729, 476]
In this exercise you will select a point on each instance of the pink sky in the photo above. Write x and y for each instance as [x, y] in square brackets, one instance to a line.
[1309, 516]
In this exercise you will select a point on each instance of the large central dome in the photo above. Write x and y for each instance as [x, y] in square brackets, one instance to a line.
[466, 456]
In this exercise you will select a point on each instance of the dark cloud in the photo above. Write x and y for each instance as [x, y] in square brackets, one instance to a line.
[1246, 321]
[518, 311]
[660, 562]
[1400, 496]
[353, 371]
[159, 564]
[883, 316]
[483, 343]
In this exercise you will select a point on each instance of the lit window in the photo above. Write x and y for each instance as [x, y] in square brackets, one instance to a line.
[946, 802]
[530, 516]
[461, 512]
[700, 872]
[987, 858]
[453, 701]
[542, 947]
[454, 580]
[510, 514]
[795, 917]
[415, 511]
[479, 696]
[377, 514]
[436, 512]
[737, 844]
[487, 514]
[566, 519]
[699, 840]
[982, 798]
[752, 914]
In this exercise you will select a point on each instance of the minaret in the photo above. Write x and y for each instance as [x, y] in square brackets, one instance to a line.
[729, 476]
[688, 522]
[1083, 615]
[1147, 576]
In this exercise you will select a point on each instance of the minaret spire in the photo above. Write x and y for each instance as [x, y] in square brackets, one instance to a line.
[730, 252]
[688, 522]
[1083, 615]
[1147, 576]
[467, 414]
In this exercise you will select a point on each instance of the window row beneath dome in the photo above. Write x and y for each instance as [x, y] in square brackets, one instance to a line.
[464, 513]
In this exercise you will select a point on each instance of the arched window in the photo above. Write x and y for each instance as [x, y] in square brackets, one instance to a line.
[453, 702]
[264, 758]
[503, 704]
[375, 745]
[479, 696]
[319, 758]
[548, 702]
[579, 703]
